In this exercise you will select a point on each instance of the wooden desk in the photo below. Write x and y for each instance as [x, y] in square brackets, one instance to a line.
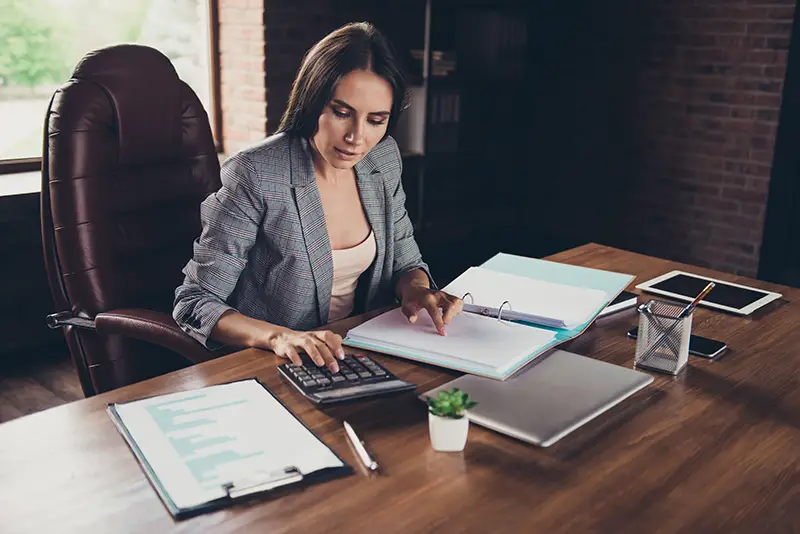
[716, 449]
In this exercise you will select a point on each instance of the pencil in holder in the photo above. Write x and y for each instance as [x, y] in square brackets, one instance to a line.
[662, 344]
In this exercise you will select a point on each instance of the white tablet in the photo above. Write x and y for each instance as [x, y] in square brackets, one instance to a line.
[734, 298]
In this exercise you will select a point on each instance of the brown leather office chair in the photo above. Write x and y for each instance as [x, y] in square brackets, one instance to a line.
[128, 158]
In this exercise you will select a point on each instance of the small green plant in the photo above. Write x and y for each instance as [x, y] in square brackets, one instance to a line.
[450, 404]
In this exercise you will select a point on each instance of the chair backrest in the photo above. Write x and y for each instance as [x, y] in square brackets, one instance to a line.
[128, 158]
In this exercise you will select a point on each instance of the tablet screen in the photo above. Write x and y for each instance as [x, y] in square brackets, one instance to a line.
[722, 294]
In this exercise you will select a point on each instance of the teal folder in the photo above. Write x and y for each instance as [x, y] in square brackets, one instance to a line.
[610, 283]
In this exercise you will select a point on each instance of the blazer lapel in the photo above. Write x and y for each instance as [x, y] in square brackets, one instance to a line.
[370, 187]
[312, 222]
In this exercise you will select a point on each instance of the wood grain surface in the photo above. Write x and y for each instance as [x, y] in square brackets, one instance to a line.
[715, 449]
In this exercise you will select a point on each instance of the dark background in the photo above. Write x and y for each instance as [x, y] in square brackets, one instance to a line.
[649, 125]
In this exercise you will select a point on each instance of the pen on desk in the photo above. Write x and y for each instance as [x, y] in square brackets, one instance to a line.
[368, 462]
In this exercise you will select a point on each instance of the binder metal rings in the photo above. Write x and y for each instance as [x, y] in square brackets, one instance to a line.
[485, 311]
[500, 310]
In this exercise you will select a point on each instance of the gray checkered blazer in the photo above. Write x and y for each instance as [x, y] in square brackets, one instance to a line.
[264, 249]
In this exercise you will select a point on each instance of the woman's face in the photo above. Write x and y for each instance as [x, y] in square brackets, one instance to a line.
[355, 119]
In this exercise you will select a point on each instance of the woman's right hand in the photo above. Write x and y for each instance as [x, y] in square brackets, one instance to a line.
[322, 346]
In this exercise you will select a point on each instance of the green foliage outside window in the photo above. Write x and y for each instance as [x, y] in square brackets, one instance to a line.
[41, 41]
[32, 51]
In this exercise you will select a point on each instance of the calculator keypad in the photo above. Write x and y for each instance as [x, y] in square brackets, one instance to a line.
[352, 368]
[358, 376]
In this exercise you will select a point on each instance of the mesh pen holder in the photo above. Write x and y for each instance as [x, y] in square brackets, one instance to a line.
[663, 341]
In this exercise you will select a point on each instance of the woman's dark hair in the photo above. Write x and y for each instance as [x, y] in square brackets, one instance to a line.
[355, 46]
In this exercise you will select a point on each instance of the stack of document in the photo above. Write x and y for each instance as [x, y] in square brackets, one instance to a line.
[527, 299]
[517, 309]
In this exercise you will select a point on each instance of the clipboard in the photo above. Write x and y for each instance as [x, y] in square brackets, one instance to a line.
[240, 489]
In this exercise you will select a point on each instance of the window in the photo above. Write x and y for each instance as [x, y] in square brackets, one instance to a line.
[41, 41]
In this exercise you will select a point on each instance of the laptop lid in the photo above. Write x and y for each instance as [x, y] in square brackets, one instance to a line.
[549, 399]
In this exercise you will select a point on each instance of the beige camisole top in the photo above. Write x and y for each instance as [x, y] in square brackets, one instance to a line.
[348, 265]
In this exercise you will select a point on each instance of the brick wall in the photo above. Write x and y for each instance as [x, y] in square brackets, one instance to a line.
[242, 73]
[704, 113]
[674, 143]
[292, 28]
[262, 42]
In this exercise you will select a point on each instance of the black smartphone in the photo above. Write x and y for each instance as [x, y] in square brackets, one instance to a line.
[698, 345]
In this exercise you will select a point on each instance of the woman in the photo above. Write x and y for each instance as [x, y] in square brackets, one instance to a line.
[310, 224]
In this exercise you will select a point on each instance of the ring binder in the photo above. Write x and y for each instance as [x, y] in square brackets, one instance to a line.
[552, 303]
[289, 475]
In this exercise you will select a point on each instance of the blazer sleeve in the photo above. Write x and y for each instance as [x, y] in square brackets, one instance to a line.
[230, 220]
[407, 256]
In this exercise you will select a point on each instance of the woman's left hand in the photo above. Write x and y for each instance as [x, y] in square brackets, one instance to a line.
[438, 304]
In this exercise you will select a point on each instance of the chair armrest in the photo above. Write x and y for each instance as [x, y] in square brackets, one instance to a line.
[153, 327]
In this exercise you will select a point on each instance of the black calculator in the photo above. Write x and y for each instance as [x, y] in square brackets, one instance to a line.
[359, 376]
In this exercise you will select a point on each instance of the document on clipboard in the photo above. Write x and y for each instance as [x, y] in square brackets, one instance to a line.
[204, 449]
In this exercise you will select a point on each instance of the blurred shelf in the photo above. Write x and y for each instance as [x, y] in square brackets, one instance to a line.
[465, 192]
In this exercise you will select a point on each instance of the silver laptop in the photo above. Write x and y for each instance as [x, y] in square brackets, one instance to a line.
[549, 399]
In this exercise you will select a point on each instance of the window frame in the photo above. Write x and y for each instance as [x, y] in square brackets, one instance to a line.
[20, 165]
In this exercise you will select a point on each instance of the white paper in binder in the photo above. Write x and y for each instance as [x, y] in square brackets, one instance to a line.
[474, 343]
[526, 299]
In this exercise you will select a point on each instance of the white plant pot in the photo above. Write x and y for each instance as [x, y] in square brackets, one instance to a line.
[448, 435]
